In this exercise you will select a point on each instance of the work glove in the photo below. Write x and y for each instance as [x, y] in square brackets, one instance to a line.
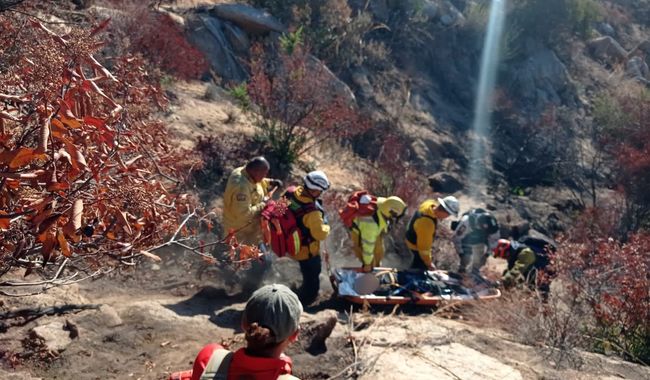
[275, 183]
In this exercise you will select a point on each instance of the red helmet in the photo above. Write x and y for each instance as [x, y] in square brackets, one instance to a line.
[502, 249]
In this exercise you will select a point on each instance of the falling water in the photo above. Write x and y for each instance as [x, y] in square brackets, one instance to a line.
[487, 80]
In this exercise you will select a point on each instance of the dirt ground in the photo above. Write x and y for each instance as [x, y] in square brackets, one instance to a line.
[155, 320]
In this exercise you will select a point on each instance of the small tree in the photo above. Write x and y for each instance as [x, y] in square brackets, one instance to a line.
[299, 104]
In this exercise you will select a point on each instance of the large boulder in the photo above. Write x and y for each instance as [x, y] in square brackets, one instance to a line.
[607, 49]
[542, 79]
[637, 68]
[444, 182]
[207, 34]
[237, 37]
[252, 20]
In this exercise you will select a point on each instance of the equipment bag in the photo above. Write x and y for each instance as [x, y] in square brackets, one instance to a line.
[355, 208]
[542, 248]
[282, 227]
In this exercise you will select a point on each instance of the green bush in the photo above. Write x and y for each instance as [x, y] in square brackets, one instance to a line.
[332, 31]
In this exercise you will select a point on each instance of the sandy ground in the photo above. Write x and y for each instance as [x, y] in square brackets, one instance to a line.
[155, 320]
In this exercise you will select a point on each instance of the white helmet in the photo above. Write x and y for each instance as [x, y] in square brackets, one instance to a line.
[316, 180]
[450, 204]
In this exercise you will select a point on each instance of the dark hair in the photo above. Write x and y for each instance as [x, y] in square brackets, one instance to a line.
[258, 163]
[259, 338]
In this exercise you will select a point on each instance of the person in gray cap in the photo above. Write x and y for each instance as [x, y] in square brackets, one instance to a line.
[270, 323]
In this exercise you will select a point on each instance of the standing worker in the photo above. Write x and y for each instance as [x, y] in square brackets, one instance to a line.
[245, 197]
[421, 230]
[304, 201]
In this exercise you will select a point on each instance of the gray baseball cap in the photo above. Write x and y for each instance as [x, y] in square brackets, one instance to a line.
[275, 307]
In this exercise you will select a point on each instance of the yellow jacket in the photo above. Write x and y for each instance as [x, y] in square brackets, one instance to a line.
[243, 201]
[367, 237]
[421, 230]
[313, 223]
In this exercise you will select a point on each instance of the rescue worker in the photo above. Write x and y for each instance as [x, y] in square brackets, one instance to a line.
[421, 230]
[524, 265]
[475, 235]
[245, 197]
[314, 229]
[270, 323]
[367, 232]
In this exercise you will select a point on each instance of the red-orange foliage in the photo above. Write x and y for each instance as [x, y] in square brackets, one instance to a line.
[612, 277]
[300, 103]
[626, 123]
[141, 30]
[392, 174]
[85, 171]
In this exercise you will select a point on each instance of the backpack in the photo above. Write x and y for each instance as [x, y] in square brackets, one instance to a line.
[354, 208]
[219, 364]
[542, 248]
[283, 230]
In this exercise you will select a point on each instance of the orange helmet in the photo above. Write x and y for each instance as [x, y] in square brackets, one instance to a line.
[502, 249]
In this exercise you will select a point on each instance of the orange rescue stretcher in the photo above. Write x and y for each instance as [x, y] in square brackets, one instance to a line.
[389, 286]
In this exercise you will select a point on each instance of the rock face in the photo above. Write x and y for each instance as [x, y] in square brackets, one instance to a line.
[207, 34]
[607, 49]
[252, 20]
[542, 79]
[637, 68]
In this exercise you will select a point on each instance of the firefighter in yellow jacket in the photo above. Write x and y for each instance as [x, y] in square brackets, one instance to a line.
[421, 230]
[314, 229]
[245, 197]
[367, 232]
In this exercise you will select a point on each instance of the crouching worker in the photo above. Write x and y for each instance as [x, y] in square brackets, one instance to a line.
[421, 230]
[270, 323]
[367, 231]
[524, 265]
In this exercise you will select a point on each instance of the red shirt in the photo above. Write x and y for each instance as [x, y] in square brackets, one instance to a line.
[256, 368]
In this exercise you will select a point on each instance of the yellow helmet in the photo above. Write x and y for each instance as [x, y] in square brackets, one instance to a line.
[391, 207]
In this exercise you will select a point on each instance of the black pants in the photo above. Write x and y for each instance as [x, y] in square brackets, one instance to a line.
[310, 269]
[417, 261]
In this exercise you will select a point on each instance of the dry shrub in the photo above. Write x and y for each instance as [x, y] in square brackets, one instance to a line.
[612, 279]
[87, 175]
[220, 155]
[139, 29]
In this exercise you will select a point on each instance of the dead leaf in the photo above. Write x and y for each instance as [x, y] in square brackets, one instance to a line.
[124, 220]
[48, 246]
[63, 244]
[24, 156]
[4, 221]
[49, 222]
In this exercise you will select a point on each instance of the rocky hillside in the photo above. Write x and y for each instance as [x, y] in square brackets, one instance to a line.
[411, 66]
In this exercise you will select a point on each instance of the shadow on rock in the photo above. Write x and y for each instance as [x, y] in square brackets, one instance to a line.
[208, 301]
